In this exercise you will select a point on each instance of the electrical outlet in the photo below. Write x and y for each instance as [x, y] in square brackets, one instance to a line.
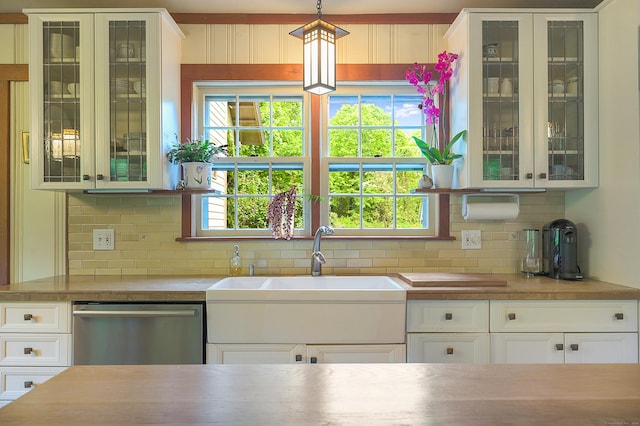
[513, 236]
[104, 239]
[471, 240]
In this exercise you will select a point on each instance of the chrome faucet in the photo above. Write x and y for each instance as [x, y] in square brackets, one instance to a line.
[317, 258]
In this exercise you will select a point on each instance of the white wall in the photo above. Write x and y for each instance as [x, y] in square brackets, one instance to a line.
[609, 216]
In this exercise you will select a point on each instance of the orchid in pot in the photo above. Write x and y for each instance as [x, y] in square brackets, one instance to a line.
[421, 79]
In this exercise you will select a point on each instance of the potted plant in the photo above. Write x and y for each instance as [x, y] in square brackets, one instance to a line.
[441, 160]
[196, 157]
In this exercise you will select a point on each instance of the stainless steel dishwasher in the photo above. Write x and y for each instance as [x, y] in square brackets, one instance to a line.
[138, 333]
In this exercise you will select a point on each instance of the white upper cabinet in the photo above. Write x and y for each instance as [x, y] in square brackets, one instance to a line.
[526, 90]
[105, 98]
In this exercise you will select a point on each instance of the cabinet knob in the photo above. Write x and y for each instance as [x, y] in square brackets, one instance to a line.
[86, 177]
[28, 317]
[99, 177]
[28, 384]
[619, 316]
[511, 316]
[298, 358]
[574, 346]
[529, 175]
[28, 351]
[559, 347]
[313, 360]
[448, 316]
[449, 351]
[542, 175]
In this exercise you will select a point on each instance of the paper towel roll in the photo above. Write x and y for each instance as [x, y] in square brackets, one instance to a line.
[491, 211]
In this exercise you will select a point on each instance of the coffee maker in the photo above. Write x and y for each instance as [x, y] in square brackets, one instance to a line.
[560, 250]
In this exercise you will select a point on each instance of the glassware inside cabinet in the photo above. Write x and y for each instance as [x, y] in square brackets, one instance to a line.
[565, 123]
[500, 71]
[128, 101]
[61, 130]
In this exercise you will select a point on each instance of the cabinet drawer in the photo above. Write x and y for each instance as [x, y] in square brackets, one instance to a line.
[464, 316]
[16, 381]
[35, 349]
[37, 317]
[564, 316]
[469, 348]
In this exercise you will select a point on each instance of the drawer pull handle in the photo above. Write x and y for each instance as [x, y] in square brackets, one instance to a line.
[28, 351]
[574, 347]
[448, 316]
[511, 316]
[449, 351]
[298, 358]
[314, 360]
[559, 347]
[619, 316]
[28, 384]
[28, 317]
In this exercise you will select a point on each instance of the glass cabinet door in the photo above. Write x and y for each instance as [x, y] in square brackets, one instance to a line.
[565, 104]
[127, 101]
[500, 100]
[565, 80]
[60, 127]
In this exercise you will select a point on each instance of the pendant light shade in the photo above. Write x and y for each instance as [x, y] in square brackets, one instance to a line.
[319, 54]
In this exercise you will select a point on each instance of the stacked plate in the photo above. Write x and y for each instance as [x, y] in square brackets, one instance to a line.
[61, 46]
[56, 88]
[121, 85]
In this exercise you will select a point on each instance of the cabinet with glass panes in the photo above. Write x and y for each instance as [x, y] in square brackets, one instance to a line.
[105, 103]
[526, 91]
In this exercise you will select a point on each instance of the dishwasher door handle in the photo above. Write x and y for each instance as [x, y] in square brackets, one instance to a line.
[136, 313]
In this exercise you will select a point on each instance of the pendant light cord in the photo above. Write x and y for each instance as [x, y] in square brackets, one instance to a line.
[319, 7]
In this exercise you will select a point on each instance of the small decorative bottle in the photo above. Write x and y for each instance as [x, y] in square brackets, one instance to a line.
[235, 263]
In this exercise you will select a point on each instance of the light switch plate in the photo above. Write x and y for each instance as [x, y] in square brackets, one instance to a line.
[471, 240]
[103, 239]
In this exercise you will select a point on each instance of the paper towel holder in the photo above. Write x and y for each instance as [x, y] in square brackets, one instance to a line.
[465, 199]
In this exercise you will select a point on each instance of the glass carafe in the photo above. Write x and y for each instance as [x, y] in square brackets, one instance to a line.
[531, 257]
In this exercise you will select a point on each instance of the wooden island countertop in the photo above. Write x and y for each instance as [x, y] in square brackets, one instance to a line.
[358, 394]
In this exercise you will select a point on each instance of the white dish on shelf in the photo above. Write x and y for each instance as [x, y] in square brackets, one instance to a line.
[61, 46]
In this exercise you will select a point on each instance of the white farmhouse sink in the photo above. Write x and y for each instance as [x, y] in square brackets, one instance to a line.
[304, 309]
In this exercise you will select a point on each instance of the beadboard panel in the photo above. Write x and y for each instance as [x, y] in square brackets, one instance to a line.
[272, 44]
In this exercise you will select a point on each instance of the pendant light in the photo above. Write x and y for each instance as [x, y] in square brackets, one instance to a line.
[319, 53]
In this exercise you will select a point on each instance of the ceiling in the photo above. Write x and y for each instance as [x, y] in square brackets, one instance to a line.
[329, 7]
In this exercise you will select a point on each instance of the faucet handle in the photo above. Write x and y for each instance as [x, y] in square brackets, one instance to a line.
[319, 256]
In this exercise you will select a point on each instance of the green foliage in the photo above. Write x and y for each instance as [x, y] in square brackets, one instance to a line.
[194, 150]
[434, 155]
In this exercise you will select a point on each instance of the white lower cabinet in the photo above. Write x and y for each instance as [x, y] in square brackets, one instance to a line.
[448, 331]
[576, 331]
[241, 353]
[448, 348]
[35, 345]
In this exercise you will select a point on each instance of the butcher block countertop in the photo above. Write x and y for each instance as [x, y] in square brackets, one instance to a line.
[358, 394]
[190, 288]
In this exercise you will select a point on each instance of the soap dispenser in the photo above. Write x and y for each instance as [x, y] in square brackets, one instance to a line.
[235, 262]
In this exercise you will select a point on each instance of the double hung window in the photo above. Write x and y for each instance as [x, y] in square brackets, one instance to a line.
[367, 169]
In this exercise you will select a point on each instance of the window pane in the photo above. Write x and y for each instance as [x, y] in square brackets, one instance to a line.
[343, 143]
[344, 212]
[378, 182]
[283, 180]
[411, 212]
[377, 212]
[344, 182]
[252, 213]
[376, 110]
[376, 143]
[287, 143]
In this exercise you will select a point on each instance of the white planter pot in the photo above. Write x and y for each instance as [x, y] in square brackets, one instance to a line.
[197, 175]
[442, 175]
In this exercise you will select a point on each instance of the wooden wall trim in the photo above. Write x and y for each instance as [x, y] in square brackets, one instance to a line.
[13, 18]
[280, 18]
[14, 72]
[8, 73]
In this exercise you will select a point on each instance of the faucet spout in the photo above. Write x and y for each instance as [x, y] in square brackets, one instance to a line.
[317, 258]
